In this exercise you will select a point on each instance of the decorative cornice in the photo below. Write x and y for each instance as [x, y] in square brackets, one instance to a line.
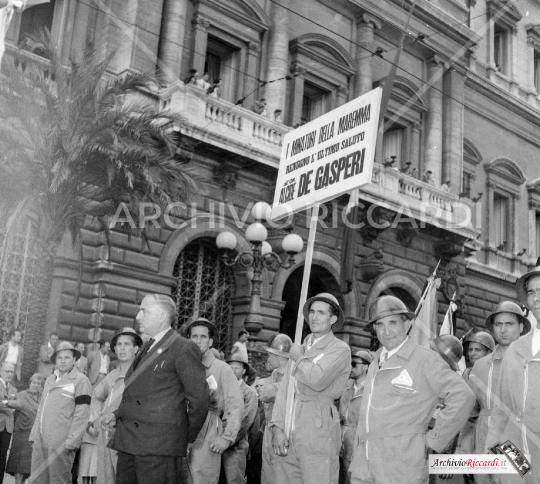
[200, 21]
[368, 20]
[505, 13]
[337, 58]
[435, 61]
[254, 48]
[343, 91]
[533, 35]
[298, 70]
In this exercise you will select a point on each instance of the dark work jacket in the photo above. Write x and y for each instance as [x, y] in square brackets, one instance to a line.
[164, 406]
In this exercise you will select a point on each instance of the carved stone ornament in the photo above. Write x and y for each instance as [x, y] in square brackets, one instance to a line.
[375, 220]
[371, 266]
[405, 234]
[450, 285]
[226, 174]
[448, 248]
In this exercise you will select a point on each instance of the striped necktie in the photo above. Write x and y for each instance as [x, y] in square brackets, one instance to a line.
[384, 357]
[147, 349]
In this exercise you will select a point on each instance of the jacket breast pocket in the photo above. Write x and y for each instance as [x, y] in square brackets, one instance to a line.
[403, 390]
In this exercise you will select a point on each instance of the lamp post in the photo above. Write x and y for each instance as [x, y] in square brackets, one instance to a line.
[260, 257]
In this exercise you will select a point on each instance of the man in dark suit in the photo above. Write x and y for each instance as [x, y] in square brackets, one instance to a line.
[164, 404]
[7, 392]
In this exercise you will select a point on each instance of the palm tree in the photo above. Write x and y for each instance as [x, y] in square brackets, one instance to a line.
[74, 144]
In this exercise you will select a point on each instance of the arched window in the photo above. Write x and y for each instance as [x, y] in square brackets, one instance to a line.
[17, 273]
[204, 287]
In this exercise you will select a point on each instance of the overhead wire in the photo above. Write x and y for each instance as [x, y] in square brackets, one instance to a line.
[290, 76]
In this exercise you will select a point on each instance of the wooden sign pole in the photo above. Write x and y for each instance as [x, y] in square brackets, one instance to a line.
[300, 317]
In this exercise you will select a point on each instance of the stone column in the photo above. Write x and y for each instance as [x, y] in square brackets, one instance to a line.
[278, 56]
[532, 45]
[434, 122]
[491, 68]
[363, 77]
[173, 22]
[200, 41]
[123, 35]
[471, 56]
[80, 31]
[251, 77]
[341, 96]
[415, 148]
[452, 160]
[513, 60]
[297, 96]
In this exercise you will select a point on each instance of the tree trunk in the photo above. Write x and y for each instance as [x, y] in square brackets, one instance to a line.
[37, 319]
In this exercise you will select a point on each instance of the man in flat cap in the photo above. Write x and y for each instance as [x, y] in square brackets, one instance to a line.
[321, 367]
[226, 408]
[404, 383]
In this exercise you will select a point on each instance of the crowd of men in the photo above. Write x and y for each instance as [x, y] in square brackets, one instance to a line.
[173, 410]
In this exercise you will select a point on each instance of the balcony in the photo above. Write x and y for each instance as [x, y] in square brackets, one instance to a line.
[237, 130]
[427, 204]
[225, 125]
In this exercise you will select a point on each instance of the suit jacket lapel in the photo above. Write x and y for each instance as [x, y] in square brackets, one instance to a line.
[139, 366]
[137, 359]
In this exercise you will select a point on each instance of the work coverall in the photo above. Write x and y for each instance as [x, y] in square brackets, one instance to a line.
[467, 435]
[234, 458]
[516, 417]
[268, 397]
[349, 412]
[398, 402]
[321, 375]
[106, 398]
[223, 420]
[61, 421]
[484, 382]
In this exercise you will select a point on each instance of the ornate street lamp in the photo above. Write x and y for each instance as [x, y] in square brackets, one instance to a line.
[261, 256]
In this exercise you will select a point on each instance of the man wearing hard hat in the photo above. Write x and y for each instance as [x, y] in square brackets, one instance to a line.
[404, 384]
[321, 367]
[224, 414]
[507, 323]
[477, 346]
[234, 457]
[61, 419]
[278, 356]
[349, 409]
[516, 416]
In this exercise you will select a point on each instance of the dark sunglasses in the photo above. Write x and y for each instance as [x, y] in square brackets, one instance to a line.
[354, 363]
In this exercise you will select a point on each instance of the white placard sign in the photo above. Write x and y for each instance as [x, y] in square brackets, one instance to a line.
[329, 156]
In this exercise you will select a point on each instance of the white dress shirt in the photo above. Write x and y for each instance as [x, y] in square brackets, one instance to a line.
[13, 353]
[385, 354]
[158, 337]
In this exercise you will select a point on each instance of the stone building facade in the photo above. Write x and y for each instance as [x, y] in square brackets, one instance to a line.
[464, 106]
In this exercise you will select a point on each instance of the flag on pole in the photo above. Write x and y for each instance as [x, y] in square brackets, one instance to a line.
[448, 328]
[424, 326]
[449, 318]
